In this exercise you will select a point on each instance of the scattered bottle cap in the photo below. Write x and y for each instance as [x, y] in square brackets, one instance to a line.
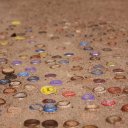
[70, 124]
[23, 74]
[108, 102]
[48, 90]
[36, 106]
[31, 123]
[16, 22]
[113, 119]
[50, 108]
[8, 70]
[50, 124]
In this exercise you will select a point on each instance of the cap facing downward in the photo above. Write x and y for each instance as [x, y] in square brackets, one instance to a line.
[50, 124]
[114, 90]
[90, 126]
[31, 122]
[125, 108]
[2, 101]
[71, 124]
[113, 119]
[8, 70]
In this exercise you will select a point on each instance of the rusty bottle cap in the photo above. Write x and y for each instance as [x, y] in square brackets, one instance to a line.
[114, 90]
[118, 70]
[50, 124]
[113, 119]
[99, 81]
[9, 90]
[77, 78]
[90, 126]
[2, 101]
[119, 77]
[125, 90]
[125, 108]
[8, 70]
[31, 122]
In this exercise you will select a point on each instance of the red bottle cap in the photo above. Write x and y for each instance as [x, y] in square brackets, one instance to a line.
[68, 93]
[108, 102]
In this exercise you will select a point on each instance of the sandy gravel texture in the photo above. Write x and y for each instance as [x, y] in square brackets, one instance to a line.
[61, 19]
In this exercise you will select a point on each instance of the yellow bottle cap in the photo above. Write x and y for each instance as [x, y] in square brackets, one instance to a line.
[20, 38]
[16, 22]
[48, 90]
[43, 54]
[4, 42]
[110, 64]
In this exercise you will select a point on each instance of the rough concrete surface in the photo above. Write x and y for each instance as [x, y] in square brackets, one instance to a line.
[61, 25]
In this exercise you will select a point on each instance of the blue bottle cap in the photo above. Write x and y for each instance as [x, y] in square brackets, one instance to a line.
[16, 62]
[23, 74]
[88, 96]
[50, 108]
[84, 44]
[33, 78]
[4, 81]
[63, 62]
[30, 69]
[56, 82]
[97, 72]
[98, 66]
